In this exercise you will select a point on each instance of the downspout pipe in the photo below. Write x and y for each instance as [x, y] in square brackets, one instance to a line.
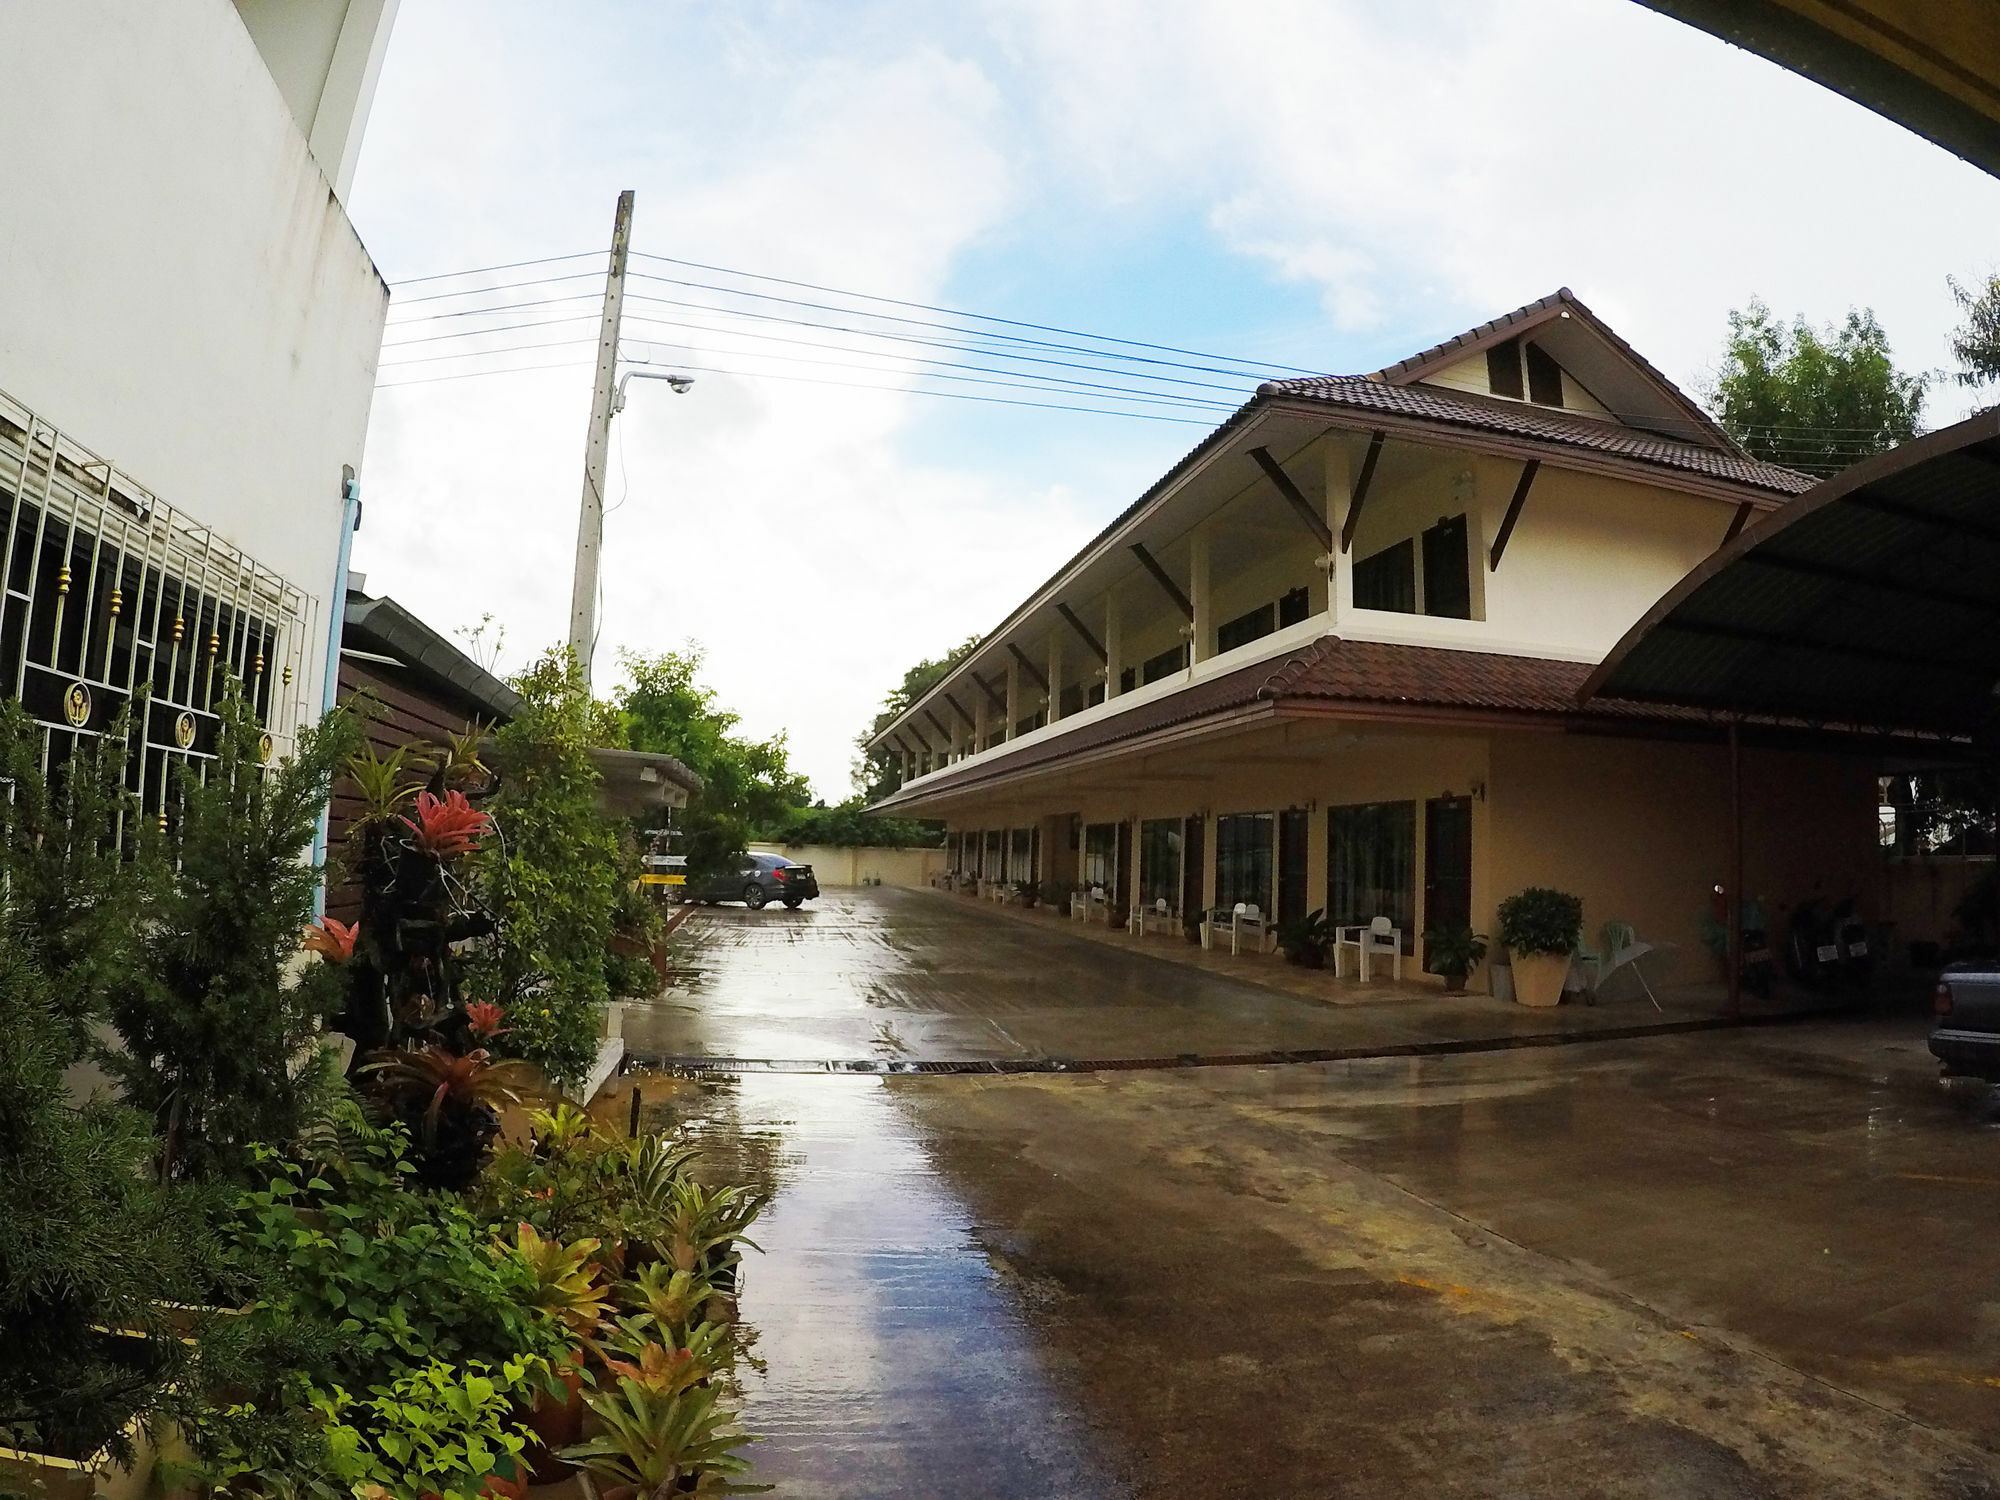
[336, 619]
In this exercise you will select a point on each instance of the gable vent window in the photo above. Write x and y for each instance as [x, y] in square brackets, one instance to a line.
[1545, 378]
[1503, 369]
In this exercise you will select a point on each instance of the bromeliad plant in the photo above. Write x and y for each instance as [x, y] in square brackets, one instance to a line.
[450, 1103]
[1305, 940]
[664, 1433]
[411, 851]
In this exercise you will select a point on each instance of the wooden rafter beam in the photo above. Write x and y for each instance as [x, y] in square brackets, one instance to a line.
[1737, 522]
[1528, 472]
[1361, 483]
[938, 725]
[970, 722]
[1282, 482]
[1041, 678]
[1162, 578]
[1084, 630]
[993, 695]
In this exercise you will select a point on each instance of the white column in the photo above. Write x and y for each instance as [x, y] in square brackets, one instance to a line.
[1198, 595]
[1114, 643]
[1013, 694]
[978, 719]
[1339, 488]
[1339, 495]
[1055, 673]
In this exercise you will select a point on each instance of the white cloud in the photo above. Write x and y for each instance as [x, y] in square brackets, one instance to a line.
[1417, 167]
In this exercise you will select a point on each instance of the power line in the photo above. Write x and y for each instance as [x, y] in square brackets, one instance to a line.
[505, 286]
[429, 359]
[568, 364]
[811, 286]
[515, 265]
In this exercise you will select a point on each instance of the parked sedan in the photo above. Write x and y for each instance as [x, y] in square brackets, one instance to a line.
[1965, 1039]
[761, 878]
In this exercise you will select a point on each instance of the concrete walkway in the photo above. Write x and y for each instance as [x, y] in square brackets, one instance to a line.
[897, 980]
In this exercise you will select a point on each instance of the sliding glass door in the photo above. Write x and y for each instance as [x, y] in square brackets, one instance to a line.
[1371, 865]
[1243, 860]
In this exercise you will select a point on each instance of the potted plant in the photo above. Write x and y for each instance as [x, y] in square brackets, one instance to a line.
[1304, 940]
[1541, 929]
[1454, 952]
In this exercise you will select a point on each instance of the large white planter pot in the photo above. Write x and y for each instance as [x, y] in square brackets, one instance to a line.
[1538, 978]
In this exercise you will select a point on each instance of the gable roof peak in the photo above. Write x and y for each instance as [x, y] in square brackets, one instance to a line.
[1687, 420]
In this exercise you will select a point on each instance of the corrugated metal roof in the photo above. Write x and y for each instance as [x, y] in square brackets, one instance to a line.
[1874, 599]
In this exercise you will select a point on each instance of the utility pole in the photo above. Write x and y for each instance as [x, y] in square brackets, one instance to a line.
[590, 513]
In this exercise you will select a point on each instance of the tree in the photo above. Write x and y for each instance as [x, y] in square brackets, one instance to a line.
[1976, 341]
[219, 1027]
[848, 826]
[748, 786]
[879, 772]
[553, 878]
[1810, 399]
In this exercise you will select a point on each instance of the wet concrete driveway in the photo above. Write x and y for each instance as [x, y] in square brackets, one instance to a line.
[1723, 1264]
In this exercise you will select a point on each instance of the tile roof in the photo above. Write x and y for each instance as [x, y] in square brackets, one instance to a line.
[1329, 670]
[1539, 423]
[1561, 303]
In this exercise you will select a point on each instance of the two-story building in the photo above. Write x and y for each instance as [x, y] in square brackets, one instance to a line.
[1332, 659]
[188, 346]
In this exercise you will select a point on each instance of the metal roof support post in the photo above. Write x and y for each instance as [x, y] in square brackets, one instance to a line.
[1734, 1008]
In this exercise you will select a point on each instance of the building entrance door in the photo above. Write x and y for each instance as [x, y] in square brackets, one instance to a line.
[1447, 864]
[1194, 867]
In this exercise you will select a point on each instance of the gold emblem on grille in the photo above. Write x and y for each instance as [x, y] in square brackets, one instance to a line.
[184, 729]
[76, 705]
[265, 745]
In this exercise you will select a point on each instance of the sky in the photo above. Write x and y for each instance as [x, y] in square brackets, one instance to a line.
[1319, 185]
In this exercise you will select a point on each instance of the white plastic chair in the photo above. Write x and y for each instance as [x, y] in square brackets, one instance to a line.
[1159, 917]
[1079, 904]
[1100, 906]
[1367, 939]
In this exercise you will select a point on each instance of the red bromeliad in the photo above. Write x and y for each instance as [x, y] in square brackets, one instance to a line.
[331, 939]
[483, 1017]
[447, 826]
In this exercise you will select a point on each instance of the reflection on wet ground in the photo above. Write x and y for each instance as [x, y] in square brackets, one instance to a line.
[895, 1363]
[1741, 1264]
[898, 975]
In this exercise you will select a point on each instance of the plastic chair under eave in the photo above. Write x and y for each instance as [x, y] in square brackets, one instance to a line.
[1368, 939]
[1246, 918]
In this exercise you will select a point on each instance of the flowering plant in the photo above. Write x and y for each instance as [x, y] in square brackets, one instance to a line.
[447, 826]
[483, 1017]
[333, 940]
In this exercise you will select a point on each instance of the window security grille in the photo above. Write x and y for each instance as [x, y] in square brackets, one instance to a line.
[112, 597]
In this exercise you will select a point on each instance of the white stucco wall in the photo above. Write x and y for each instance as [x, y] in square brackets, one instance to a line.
[184, 294]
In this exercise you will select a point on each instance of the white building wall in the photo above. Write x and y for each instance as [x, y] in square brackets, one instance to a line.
[183, 292]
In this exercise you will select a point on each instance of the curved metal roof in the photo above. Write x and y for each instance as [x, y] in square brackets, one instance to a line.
[1872, 600]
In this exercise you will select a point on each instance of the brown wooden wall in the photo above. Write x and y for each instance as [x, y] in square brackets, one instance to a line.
[405, 712]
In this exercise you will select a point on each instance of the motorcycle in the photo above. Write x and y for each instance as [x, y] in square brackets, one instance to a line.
[1850, 933]
[1812, 947]
[1756, 965]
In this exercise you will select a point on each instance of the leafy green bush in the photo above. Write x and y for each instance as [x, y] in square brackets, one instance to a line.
[1458, 950]
[555, 885]
[436, 1430]
[89, 1238]
[1304, 940]
[217, 1016]
[1539, 921]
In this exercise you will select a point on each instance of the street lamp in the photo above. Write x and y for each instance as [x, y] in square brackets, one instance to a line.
[682, 384]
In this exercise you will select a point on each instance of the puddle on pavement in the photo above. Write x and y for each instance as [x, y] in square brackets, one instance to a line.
[893, 1362]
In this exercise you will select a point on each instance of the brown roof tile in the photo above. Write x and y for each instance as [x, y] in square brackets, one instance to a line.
[1432, 404]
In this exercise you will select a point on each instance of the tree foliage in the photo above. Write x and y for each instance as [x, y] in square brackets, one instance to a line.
[878, 772]
[1813, 399]
[848, 826]
[553, 880]
[1975, 343]
[218, 1022]
[748, 786]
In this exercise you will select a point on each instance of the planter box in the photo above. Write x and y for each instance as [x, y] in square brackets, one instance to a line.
[1538, 978]
[93, 1478]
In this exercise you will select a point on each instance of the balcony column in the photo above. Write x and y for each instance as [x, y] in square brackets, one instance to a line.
[978, 720]
[1199, 596]
[1114, 643]
[1055, 673]
[1339, 495]
[909, 766]
[1339, 487]
[1013, 695]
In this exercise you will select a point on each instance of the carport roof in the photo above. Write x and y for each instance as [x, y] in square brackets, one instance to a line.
[1872, 600]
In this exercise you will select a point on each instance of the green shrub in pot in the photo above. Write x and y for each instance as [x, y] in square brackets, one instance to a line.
[1454, 952]
[1304, 940]
[1540, 922]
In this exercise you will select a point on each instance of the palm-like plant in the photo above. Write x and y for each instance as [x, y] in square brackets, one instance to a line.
[565, 1279]
[676, 1301]
[700, 1227]
[452, 1104]
[655, 1438]
[385, 782]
